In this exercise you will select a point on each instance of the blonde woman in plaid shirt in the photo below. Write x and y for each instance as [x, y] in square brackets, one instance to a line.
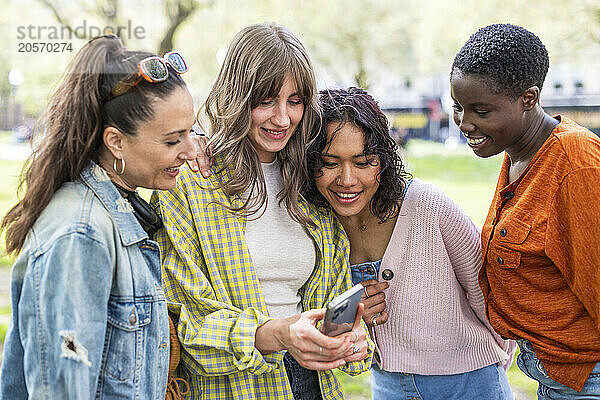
[248, 263]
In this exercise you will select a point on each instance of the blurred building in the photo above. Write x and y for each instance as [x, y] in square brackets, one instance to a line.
[421, 107]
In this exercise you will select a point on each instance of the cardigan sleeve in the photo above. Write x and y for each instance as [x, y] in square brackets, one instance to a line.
[463, 244]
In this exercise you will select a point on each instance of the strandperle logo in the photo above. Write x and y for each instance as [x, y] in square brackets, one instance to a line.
[51, 32]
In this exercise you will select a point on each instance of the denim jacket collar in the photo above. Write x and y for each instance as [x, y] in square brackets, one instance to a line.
[96, 178]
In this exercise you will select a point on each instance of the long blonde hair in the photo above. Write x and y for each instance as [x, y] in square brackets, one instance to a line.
[257, 62]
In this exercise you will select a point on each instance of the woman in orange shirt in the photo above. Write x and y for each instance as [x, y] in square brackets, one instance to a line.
[540, 275]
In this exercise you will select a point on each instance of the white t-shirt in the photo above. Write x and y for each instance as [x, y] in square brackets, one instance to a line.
[282, 252]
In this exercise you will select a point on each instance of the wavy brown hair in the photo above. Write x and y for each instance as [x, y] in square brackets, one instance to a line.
[257, 62]
[356, 106]
[70, 130]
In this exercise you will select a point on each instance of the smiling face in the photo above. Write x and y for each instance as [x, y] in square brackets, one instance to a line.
[349, 178]
[275, 120]
[153, 155]
[492, 123]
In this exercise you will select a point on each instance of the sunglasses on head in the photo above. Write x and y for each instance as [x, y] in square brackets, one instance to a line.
[153, 69]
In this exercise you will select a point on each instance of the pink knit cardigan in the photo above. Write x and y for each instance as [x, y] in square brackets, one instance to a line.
[437, 323]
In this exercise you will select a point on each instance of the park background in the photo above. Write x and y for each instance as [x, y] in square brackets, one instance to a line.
[400, 50]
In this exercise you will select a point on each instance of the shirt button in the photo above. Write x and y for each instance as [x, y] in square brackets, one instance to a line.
[502, 232]
[500, 260]
[132, 318]
[509, 195]
[387, 274]
[370, 270]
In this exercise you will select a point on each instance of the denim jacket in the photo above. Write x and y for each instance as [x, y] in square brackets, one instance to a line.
[89, 316]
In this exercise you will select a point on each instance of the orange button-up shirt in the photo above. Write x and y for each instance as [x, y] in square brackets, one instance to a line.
[541, 254]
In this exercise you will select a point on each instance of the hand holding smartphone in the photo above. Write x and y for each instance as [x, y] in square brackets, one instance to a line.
[341, 312]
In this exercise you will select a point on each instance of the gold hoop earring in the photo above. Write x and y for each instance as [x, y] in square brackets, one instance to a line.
[121, 171]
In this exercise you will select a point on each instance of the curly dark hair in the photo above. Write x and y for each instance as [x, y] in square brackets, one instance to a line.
[510, 57]
[356, 106]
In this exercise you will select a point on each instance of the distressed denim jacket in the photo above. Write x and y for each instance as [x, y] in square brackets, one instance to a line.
[89, 316]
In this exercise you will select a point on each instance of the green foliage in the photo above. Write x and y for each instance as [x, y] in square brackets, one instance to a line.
[367, 42]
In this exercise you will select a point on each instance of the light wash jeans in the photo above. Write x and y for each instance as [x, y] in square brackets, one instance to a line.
[548, 388]
[487, 383]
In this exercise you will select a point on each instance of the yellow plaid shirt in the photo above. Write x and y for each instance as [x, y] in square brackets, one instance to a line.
[210, 282]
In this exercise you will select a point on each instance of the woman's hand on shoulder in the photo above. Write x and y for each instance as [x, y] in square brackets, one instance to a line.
[204, 158]
[374, 301]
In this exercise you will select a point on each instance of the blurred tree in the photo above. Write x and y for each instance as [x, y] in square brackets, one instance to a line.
[360, 42]
[176, 11]
[594, 11]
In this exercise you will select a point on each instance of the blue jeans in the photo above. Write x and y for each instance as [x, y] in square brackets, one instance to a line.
[548, 388]
[489, 383]
[365, 271]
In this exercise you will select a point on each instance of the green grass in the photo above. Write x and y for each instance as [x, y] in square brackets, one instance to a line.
[467, 179]
[10, 171]
[519, 380]
[3, 329]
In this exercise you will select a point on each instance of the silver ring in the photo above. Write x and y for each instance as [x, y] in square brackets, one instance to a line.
[374, 321]
[366, 293]
[355, 349]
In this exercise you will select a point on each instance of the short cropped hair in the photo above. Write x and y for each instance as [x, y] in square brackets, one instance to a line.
[509, 56]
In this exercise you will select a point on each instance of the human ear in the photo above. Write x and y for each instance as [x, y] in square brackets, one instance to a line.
[113, 140]
[531, 97]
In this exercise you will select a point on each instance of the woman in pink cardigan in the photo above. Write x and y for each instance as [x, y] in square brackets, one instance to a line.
[417, 255]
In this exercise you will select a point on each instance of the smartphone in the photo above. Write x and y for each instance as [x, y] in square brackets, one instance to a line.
[341, 311]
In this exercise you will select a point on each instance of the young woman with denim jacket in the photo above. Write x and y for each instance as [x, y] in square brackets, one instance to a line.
[89, 316]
